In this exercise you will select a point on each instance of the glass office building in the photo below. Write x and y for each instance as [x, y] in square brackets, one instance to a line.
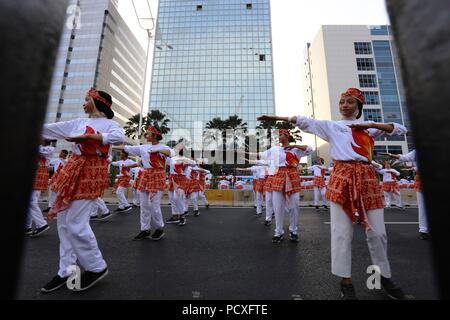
[212, 58]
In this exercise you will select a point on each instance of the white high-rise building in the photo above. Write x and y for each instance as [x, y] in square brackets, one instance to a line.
[362, 57]
[99, 51]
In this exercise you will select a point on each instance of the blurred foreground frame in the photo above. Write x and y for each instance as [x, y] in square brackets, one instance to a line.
[30, 32]
[422, 35]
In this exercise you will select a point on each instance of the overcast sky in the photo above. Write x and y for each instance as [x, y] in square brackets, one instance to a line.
[294, 23]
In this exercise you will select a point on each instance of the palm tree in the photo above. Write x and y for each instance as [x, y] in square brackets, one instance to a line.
[154, 118]
[239, 128]
[157, 119]
[211, 129]
[277, 125]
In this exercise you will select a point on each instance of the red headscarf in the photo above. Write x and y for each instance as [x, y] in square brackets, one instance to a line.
[284, 132]
[96, 96]
[154, 130]
[355, 93]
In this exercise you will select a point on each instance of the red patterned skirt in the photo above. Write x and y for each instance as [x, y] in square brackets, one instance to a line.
[267, 184]
[193, 186]
[153, 180]
[82, 178]
[258, 185]
[354, 185]
[418, 184]
[391, 186]
[42, 177]
[122, 181]
[178, 181]
[319, 182]
[286, 180]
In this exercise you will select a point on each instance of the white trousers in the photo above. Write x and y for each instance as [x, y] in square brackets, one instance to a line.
[202, 196]
[77, 241]
[341, 241]
[34, 212]
[423, 223]
[151, 215]
[280, 203]
[269, 206]
[320, 192]
[99, 206]
[123, 202]
[259, 202]
[51, 197]
[136, 199]
[388, 196]
[177, 199]
[194, 200]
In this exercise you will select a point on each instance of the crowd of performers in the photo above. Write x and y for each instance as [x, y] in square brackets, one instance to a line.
[79, 182]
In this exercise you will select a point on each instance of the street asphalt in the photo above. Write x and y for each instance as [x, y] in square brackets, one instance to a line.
[227, 254]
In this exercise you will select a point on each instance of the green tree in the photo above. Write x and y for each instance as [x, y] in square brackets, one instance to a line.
[154, 118]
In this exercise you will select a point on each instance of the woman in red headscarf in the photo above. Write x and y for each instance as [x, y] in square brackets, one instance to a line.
[81, 181]
[353, 186]
[152, 184]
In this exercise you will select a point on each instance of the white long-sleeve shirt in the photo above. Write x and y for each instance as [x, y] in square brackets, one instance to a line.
[57, 164]
[317, 170]
[123, 164]
[110, 130]
[409, 157]
[387, 174]
[46, 152]
[346, 144]
[158, 160]
[259, 172]
[283, 158]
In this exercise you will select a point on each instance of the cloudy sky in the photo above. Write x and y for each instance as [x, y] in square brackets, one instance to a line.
[294, 23]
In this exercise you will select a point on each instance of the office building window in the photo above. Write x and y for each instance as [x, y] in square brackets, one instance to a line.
[199, 7]
[367, 80]
[395, 149]
[371, 97]
[372, 115]
[249, 6]
[363, 48]
[365, 64]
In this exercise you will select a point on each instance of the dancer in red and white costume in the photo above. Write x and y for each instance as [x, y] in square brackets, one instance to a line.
[353, 187]
[201, 181]
[41, 183]
[56, 164]
[82, 180]
[423, 224]
[123, 180]
[178, 186]
[286, 183]
[391, 188]
[136, 174]
[320, 188]
[153, 183]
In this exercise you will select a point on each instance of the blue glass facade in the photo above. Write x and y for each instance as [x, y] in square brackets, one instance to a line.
[387, 82]
[212, 58]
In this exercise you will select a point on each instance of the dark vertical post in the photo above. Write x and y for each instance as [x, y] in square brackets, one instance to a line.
[422, 34]
[29, 35]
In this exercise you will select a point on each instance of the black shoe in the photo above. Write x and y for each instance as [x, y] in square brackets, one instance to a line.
[94, 218]
[423, 236]
[254, 207]
[173, 220]
[54, 284]
[293, 237]
[207, 206]
[391, 289]
[196, 213]
[47, 210]
[325, 207]
[124, 209]
[348, 292]
[40, 230]
[267, 223]
[104, 216]
[277, 239]
[89, 278]
[182, 221]
[317, 208]
[142, 235]
[28, 231]
[185, 214]
[134, 205]
[157, 235]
